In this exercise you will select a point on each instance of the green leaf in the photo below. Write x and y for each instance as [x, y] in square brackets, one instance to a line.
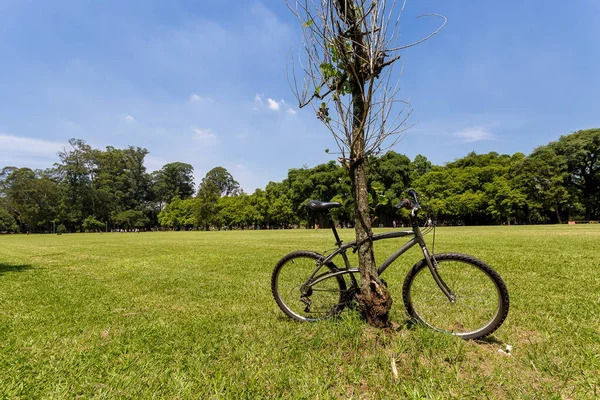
[308, 23]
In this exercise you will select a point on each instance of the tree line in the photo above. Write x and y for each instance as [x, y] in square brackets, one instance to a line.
[95, 190]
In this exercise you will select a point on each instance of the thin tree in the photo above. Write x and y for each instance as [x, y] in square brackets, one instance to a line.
[350, 47]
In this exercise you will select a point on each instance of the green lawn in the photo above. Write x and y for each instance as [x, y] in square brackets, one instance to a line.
[190, 315]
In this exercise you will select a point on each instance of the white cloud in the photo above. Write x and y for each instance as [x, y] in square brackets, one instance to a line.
[240, 166]
[272, 104]
[205, 134]
[15, 144]
[196, 98]
[128, 118]
[474, 134]
[258, 100]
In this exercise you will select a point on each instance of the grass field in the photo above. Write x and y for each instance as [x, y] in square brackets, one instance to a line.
[190, 315]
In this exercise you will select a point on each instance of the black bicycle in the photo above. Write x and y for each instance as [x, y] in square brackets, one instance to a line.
[450, 292]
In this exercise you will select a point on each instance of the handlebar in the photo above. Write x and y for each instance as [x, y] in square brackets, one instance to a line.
[409, 203]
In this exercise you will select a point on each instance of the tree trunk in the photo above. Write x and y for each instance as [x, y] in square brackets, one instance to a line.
[588, 210]
[374, 297]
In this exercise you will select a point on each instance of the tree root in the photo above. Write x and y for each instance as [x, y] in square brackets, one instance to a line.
[375, 304]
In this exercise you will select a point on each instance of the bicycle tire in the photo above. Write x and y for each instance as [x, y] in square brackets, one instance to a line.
[289, 296]
[475, 313]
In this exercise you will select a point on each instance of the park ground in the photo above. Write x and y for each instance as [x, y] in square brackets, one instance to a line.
[190, 315]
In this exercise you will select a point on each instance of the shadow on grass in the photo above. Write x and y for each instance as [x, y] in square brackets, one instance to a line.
[489, 340]
[4, 268]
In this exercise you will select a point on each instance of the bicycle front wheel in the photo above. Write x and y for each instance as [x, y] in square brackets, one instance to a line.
[297, 296]
[481, 298]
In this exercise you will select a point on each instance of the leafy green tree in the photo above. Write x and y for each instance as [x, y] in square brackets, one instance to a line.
[129, 219]
[91, 224]
[220, 182]
[544, 179]
[32, 197]
[322, 182]
[582, 149]
[217, 182]
[259, 200]
[461, 192]
[75, 176]
[389, 176]
[173, 179]
[504, 201]
[7, 221]
[178, 214]
[281, 212]
[420, 166]
[121, 182]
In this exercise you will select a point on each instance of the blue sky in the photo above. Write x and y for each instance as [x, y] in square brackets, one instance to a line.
[205, 81]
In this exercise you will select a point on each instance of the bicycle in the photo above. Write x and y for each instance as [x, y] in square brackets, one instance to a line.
[449, 292]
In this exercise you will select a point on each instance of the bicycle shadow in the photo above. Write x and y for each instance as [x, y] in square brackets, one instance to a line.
[489, 340]
[4, 268]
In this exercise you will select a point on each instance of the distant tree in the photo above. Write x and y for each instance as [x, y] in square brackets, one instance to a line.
[173, 179]
[130, 219]
[281, 212]
[544, 178]
[462, 192]
[259, 200]
[91, 224]
[217, 182]
[220, 182]
[178, 214]
[504, 200]
[420, 166]
[120, 182]
[75, 171]
[7, 221]
[388, 176]
[32, 197]
[581, 150]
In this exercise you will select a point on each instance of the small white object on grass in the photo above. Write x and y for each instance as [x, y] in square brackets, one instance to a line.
[507, 351]
[394, 369]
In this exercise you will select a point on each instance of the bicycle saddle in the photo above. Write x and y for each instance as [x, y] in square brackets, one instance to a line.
[317, 205]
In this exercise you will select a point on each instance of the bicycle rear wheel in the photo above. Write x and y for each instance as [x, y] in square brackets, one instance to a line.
[295, 296]
[481, 303]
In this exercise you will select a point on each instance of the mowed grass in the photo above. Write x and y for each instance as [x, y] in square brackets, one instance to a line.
[190, 315]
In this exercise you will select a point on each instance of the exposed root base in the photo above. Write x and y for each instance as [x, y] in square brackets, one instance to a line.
[376, 304]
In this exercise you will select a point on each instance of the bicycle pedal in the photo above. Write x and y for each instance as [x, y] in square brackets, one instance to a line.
[307, 302]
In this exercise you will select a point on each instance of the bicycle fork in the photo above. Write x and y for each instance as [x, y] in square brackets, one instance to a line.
[433, 268]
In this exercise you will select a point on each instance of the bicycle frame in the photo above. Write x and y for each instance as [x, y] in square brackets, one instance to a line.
[342, 248]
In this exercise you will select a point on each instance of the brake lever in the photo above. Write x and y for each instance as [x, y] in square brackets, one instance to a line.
[415, 196]
[405, 203]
